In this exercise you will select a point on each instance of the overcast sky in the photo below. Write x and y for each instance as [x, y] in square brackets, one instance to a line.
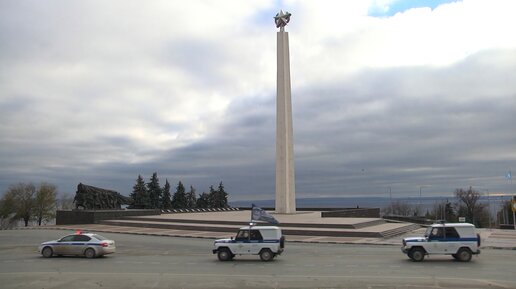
[397, 94]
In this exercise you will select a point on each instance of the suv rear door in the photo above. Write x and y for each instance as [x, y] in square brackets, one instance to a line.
[452, 240]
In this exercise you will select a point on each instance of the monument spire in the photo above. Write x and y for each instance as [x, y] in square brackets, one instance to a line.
[285, 177]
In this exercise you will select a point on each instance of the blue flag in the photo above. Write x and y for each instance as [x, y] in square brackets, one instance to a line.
[259, 214]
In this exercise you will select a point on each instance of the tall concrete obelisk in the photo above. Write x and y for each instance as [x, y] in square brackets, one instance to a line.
[285, 177]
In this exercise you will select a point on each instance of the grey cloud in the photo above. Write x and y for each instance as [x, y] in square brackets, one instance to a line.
[344, 147]
[399, 127]
[434, 118]
[200, 59]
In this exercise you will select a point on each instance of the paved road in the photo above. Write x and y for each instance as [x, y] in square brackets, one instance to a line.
[166, 262]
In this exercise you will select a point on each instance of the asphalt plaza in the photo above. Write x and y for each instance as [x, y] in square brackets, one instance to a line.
[147, 261]
[165, 225]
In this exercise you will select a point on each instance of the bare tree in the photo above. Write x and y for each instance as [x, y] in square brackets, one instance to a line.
[23, 201]
[470, 207]
[45, 203]
[20, 199]
[443, 210]
[8, 211]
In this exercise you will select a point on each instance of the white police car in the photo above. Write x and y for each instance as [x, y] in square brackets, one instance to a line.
[459, 240]
[266, 241]
[84, 244]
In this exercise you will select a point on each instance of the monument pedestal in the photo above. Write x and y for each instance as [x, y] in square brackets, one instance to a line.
[72, 217]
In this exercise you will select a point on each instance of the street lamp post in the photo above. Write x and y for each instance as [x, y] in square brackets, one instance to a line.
[489, 208]
[443, 211]
[420, 187]
[421, 197]
[390, 200]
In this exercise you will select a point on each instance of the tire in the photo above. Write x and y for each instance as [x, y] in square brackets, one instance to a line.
[417, 254]
[266, 255]
[455, 256]
[90, 253]
[224, 255]
[47, 252]
[464, 255]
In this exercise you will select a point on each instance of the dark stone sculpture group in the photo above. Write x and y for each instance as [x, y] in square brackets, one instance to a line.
[93, 198]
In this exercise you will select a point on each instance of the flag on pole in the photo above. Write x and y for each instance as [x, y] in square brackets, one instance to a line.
[259, 214]
[509, 175]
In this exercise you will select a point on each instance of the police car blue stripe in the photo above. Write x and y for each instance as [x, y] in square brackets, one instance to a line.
[445, 240]
[250, 241]
[74, 244]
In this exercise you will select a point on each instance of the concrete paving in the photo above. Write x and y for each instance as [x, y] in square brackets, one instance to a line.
[491, 238]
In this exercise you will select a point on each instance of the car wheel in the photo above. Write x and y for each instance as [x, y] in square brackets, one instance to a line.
[417, 254]
[47, 252]
[455, 256]
[89, 253]
[266, 255]
[224, 255]
[464, 255]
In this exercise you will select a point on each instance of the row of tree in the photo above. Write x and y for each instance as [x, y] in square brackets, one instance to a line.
[25, 201]
[467, 204]
[29, 203]
[151, 196]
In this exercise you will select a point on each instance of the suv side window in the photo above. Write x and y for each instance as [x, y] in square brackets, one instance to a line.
[256, 235]
[451, 233]
[242, 235]
[437, 233]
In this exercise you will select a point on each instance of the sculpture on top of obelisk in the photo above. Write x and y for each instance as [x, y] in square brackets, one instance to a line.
[285, 177]
[282, 19]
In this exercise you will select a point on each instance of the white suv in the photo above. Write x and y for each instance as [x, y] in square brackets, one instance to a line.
[457, 239]
[265, 241]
